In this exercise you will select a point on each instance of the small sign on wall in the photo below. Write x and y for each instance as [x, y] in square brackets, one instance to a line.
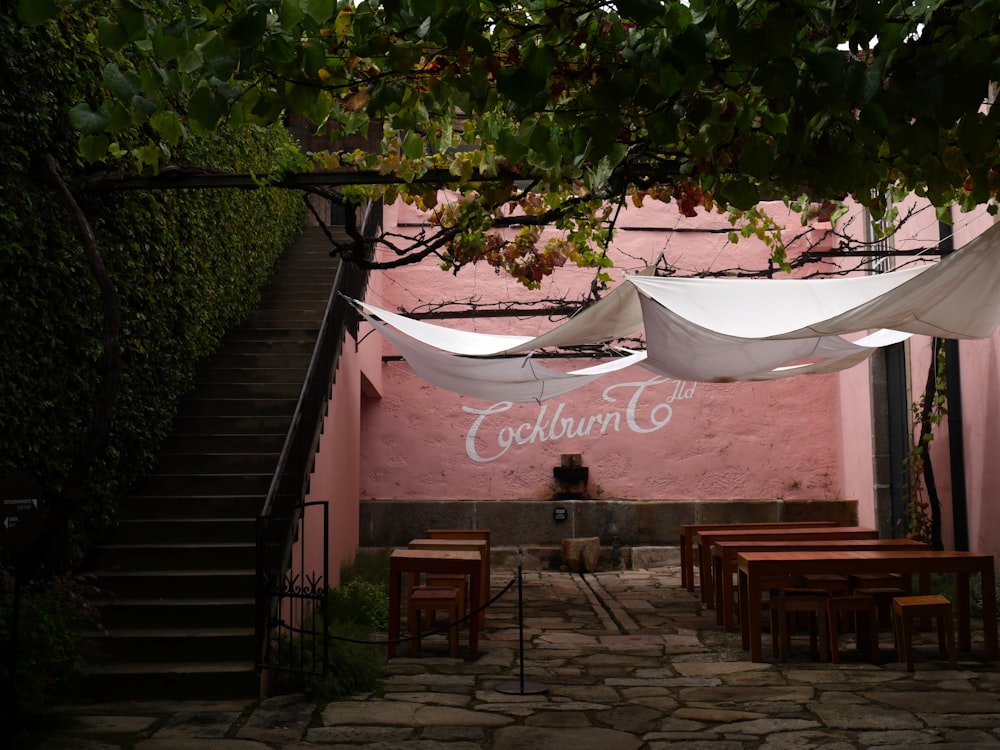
[22, 511]
[559, 515]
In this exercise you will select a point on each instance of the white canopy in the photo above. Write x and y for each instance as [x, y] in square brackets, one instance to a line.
[615, 316]
[710, 329]
[513, 379]
[957, 297]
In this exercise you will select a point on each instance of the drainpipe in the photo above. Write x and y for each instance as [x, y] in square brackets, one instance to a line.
[897, 416]
[956, 427]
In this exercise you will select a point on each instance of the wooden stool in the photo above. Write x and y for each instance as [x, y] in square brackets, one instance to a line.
[834, 584]
[878, 580]
[430, 599]
[906, 608]
[859, 605]
[883, 596]
[455, 581]
[811, 601]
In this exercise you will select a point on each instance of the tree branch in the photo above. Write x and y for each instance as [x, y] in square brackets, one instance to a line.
[110, 365]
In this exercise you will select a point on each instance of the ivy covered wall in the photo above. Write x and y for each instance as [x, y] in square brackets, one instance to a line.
[187, 265]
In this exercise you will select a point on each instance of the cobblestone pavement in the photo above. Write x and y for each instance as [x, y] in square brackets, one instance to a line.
[627, 660]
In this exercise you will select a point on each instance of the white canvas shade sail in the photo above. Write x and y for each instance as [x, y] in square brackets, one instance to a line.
[957, 297]
[515, 379]
[720, 330]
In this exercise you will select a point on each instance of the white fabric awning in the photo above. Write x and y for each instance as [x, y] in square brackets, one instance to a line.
[957, 297]
[616, 315]
[679, 349]
[709, 329]
[515, 379]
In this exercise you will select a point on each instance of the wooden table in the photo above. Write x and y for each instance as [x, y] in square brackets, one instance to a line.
[709, 537]
[475, 545]
[754, 567]
[483, 534]
[724, 563]
[690, 530]
[430, 561]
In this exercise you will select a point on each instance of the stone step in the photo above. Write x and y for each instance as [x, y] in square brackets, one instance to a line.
[194, 508]
[180, 485]
[215, 391]
[131, 645]
[250, 358]
[177, 557]
[177, 584]
[227, 425]
[199, 404]
[218, 463]
[220, 441]
[187, 530]
[255, 375]
[234, 344]
[180, 574]
[178, 613]
[178, 681]
[270, 336]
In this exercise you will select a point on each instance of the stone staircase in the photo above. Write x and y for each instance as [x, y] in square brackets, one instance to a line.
[181, 563]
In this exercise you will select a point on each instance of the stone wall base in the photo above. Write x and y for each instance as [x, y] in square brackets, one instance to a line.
[622, 525]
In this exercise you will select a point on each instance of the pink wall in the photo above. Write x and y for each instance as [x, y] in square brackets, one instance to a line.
[980, 363]
[337, 466]
[648, 438]
[856, 472]
[675, 441]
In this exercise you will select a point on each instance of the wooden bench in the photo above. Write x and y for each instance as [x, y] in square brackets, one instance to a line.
[688, 531]
[707, 538]
[724, 555]
[757, 567]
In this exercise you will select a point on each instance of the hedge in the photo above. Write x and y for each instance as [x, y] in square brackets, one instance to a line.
[187, 266]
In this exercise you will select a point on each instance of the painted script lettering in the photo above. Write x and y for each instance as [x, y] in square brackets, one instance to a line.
[485, 443]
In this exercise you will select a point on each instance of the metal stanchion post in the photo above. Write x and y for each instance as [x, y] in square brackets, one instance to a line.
[521, 687]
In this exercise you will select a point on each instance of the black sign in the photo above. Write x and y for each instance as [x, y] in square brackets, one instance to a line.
[21, 511]
[559, 514]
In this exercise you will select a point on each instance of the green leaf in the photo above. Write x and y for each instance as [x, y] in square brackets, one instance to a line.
[413, 145]
[94, 148]
[87, 121]
[190, 61]
[204, 109]
[122, 85]
[523, 84]
[757, 160]
[741, 193]
[133, 21]
[249, 28]
[403, 57]
[35, 12]
[321, 11]
[166, 46]
[148, 154]
[290, 13]
[144, 106]
[111, 34]
[169, 126]
[642, 11]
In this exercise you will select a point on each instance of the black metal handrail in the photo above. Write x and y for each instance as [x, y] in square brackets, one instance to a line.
[276, 525]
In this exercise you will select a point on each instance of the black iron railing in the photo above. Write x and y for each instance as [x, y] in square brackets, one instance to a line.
[280, 574]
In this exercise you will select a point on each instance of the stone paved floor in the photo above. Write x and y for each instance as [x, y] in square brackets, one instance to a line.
[628, 661]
